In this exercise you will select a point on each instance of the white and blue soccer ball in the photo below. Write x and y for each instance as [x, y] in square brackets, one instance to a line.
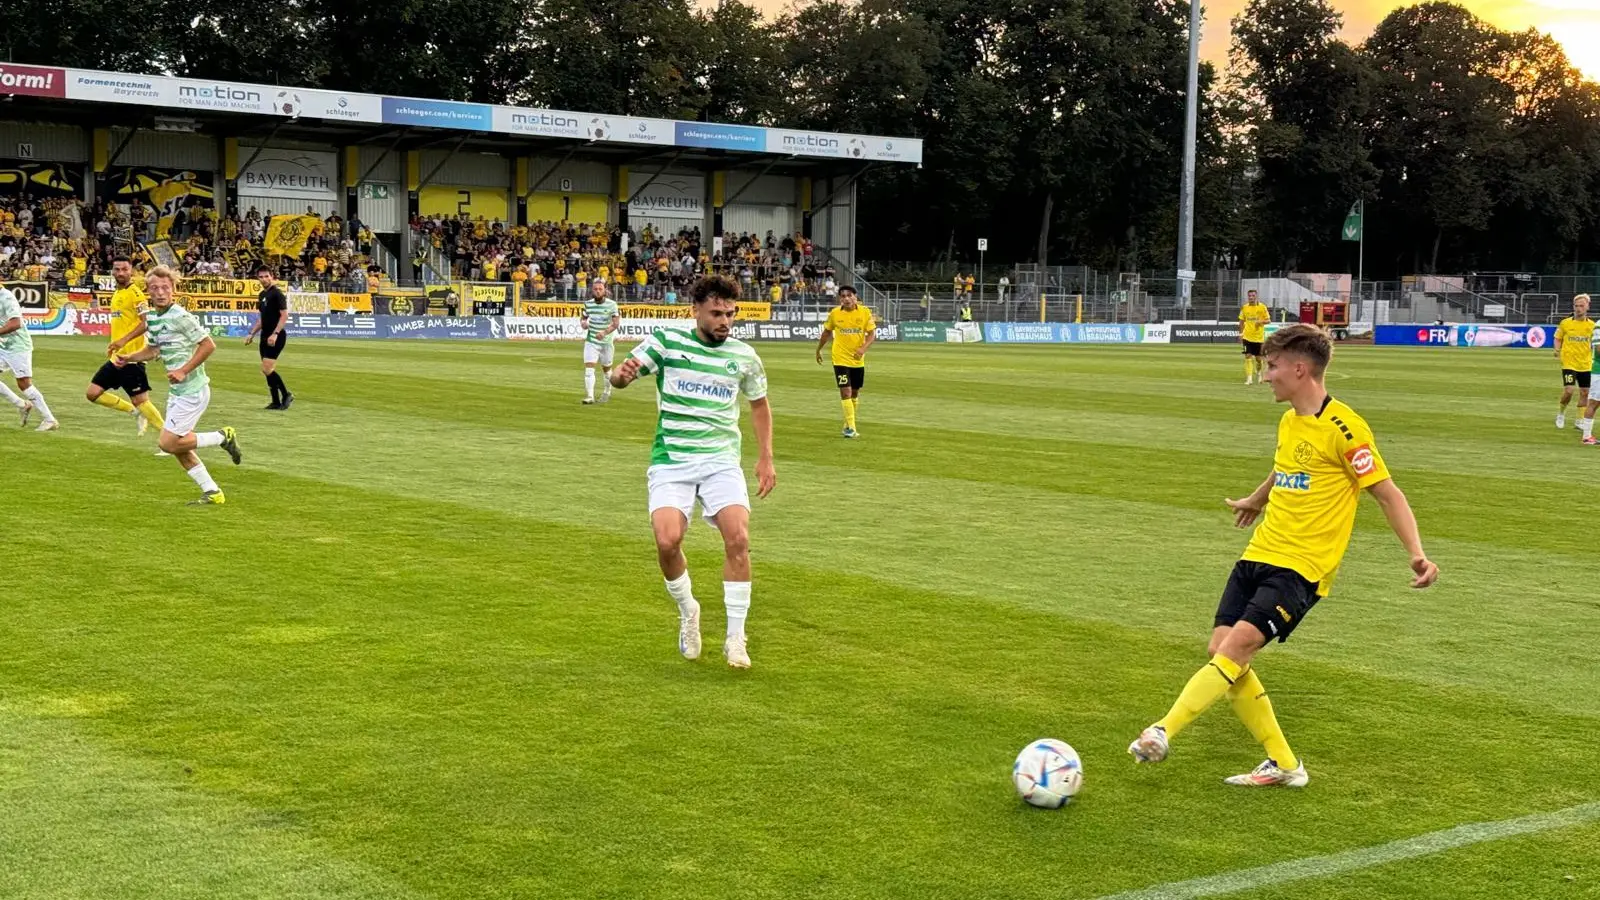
[1048, 773]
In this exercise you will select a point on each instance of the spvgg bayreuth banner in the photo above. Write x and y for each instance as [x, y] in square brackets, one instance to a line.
[167, 190]
[40, 179]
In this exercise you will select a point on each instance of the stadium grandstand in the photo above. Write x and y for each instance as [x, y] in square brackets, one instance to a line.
[361, 193]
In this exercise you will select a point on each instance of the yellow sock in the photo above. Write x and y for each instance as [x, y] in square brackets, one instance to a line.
[1249, 368]
[1205, 688]
[1254, 709]
[112, 401]
[151, 415]
[849, 414]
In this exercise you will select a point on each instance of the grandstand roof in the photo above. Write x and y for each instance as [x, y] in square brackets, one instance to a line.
[99, 99]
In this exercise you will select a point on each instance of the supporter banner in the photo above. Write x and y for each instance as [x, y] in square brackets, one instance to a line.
[391, 305]
[33, 81]
[33, 295]
[1533, 337]
[40, 179]
[1061, 333]
[203, 284]
[350, 304]
[287, 235]
[499, 291]
[442, 327]
[166, 190]
[555, 310]
[311, 175]
[228, 324]
[443, 299]
[1204, 332]
[437, 113]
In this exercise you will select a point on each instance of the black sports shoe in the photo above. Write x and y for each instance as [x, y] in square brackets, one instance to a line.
[273, 405]
[288, 400]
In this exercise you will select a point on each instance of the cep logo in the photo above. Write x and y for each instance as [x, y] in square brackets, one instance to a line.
[1362, 460]
[1292, 481]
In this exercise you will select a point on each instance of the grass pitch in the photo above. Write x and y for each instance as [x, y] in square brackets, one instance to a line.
[424, 651]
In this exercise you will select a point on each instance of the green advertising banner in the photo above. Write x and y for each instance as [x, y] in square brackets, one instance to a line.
[926, 332]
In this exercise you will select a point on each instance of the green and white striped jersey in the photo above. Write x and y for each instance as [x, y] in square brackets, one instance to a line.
[11, 308]
[176, 333]
[697, 393]
[598, 317]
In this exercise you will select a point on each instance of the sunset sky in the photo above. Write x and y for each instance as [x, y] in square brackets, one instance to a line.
[1575, 23]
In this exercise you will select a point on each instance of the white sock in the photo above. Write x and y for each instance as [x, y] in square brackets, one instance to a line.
[736, 597]
[588, 383]
[202, 478]
[204, 439]
[11, 397]
[1587, 426]
[33, 394]
[605, 382]
[683, 593]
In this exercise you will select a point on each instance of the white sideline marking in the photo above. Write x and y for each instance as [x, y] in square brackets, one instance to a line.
[1366, 857]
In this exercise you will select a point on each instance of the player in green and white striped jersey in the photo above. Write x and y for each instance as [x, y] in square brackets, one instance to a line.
[601, 318]
[16, 356]
[700, 373]
[183, 345]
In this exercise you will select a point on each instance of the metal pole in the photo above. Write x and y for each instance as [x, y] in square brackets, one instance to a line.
[980, 279]
[1361, 254]
[1186, 192]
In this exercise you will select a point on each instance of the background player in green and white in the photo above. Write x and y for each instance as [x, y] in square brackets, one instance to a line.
[183, 345]
[16, 356]
[700, 374]
[601, 319]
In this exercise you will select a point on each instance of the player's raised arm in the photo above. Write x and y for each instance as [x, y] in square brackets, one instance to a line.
[1404, 522]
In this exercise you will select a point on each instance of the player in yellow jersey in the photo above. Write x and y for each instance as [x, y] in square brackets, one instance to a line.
[1253, 319]
[1325, 457]
[128, 305]
[852, 329]
[1573, 348]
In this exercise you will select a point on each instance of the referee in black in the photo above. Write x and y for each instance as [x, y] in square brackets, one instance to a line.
[272, 314]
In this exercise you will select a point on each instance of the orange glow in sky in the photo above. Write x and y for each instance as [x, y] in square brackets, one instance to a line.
[1575, 23]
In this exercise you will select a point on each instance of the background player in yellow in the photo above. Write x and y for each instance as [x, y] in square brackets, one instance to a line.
[1573, 348]
[1325, 457]
[852, 329]
[128, 305]
[1253, 319]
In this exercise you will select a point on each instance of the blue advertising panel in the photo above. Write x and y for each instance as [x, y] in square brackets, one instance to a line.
[437, 113]
[1061, 333]
[719, 137]
[441, 327]
[305, 325]
[1534, 337]
[228, 324]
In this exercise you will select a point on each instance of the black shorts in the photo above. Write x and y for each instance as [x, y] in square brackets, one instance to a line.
[1271, 598]
[1252, 348]
[852, 377]
[271, 352]
[130, 378]
[1570, 377]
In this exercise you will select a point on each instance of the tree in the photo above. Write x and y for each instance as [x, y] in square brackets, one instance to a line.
[90, 34]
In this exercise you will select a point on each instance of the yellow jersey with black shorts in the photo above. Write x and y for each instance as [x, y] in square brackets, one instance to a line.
[128, 306]
[850, 329]
[1577, 351]
[1321, 465]
[1253, 319]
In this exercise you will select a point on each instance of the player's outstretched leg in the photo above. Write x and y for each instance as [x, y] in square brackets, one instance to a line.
[30, 393]
[1232, 648]
[24, 408]
[669, 525]
[1254, 709]
[734, 523]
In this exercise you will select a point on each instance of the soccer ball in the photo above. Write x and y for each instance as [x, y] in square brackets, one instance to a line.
[1048, 773]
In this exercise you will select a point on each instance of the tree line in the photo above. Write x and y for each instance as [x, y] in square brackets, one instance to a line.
[1053, 127]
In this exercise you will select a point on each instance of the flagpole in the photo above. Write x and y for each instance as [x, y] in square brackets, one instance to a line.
[1361, 255]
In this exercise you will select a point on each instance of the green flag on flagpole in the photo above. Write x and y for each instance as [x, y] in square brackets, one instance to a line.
[1354, 223]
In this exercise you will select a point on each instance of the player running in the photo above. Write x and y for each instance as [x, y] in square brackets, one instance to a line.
[128, 305]
[272, 314]
[700, 374]
[1573, 348]
[852, 329]
[601, 319]
[1325, 456]
[16, 356]
[1253, 319]
[183, 346]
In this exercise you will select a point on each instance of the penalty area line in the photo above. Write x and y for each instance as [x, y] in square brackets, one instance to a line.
[1365, 857]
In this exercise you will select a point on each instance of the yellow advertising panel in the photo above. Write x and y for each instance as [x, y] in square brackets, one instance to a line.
[485, 203]
[759, 312]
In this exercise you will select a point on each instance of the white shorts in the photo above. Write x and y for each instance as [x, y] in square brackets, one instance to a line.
[598, 353]
[1594, 390]
[18, 362]
[184, 412]
[716, 485]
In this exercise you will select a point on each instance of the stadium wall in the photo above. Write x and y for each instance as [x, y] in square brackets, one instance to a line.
[49, 143]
